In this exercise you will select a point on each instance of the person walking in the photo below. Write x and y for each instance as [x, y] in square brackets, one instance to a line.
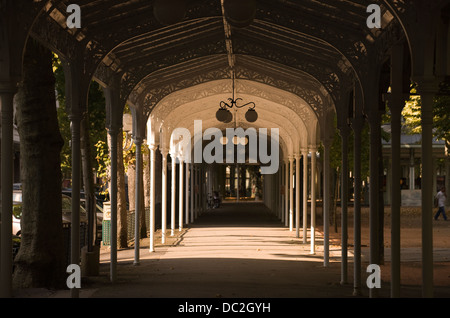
[441, 197]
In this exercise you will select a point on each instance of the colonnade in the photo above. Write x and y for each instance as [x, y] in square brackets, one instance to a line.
[191, 199]
[288, 192]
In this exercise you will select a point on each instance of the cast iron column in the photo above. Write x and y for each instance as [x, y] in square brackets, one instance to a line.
[173, 201]
[344, 195]
[313, 199]
[152, 148]
[7, 112]
[326, 201]
[305, 195]
[164, 196]
[396, 103]
[297, 195]
[427, 90]
[180, 193]
[137, 210]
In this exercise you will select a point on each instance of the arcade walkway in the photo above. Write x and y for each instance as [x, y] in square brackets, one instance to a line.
[238, 250]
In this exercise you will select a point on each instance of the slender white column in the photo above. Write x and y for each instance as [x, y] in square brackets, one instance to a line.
[152, 196]
[187, 193]
[297, 195]
[181, 194]
[286, 198]
[138, 207]
[305, 195]
[113, 198]
[192, 173]
[283, 196]
[291, 193]
[196, 191]
[238, 182]
[313, 200]
[173, 201]
[164, 197]
[280, 195]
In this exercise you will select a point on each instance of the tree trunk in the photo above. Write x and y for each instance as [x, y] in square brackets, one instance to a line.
[40, 262]
[131, 173]
[145, 186]
[122, 223]
[88, 181]
[122, 212]
[131, 176]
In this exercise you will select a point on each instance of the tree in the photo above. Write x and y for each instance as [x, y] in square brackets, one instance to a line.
[130, 170]
[441, 115]
[441, 120]
[122, 222]
[94, 123]
[92, 131]
[40, 261]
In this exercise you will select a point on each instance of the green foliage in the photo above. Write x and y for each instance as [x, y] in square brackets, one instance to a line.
[96, 113]
[336, 151]
[63, 118]
[441, 115]
[411, 114]
[129, 155]
[103, 159]
[441, 112]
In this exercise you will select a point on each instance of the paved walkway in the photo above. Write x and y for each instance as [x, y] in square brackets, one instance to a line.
[237, 251]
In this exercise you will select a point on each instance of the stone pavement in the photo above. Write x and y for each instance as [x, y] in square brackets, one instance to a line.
[236, 251]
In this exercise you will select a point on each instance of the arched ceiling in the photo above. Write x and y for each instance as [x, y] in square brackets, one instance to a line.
[276, 109]
[312, 49]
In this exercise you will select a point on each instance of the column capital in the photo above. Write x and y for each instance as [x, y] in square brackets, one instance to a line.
[164, 151]
[313, 148]
[8, 87]
[173, 154]
[344, 129]
[152, 147]
[357, 123]
[304, 151]
[138, 140]
[427, 84]
[291, 158]
[327, 141]
[297, 156]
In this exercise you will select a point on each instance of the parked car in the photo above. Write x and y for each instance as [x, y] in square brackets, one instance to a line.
[98, 210]
[15, 244]
[66, 212]
[17, 215]
[99, 197]
[98, 221]
[17, 195]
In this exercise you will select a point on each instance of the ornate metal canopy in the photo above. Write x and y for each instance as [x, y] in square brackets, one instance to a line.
[316, 50]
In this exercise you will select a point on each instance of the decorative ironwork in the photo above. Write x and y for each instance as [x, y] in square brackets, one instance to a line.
[224, 115]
